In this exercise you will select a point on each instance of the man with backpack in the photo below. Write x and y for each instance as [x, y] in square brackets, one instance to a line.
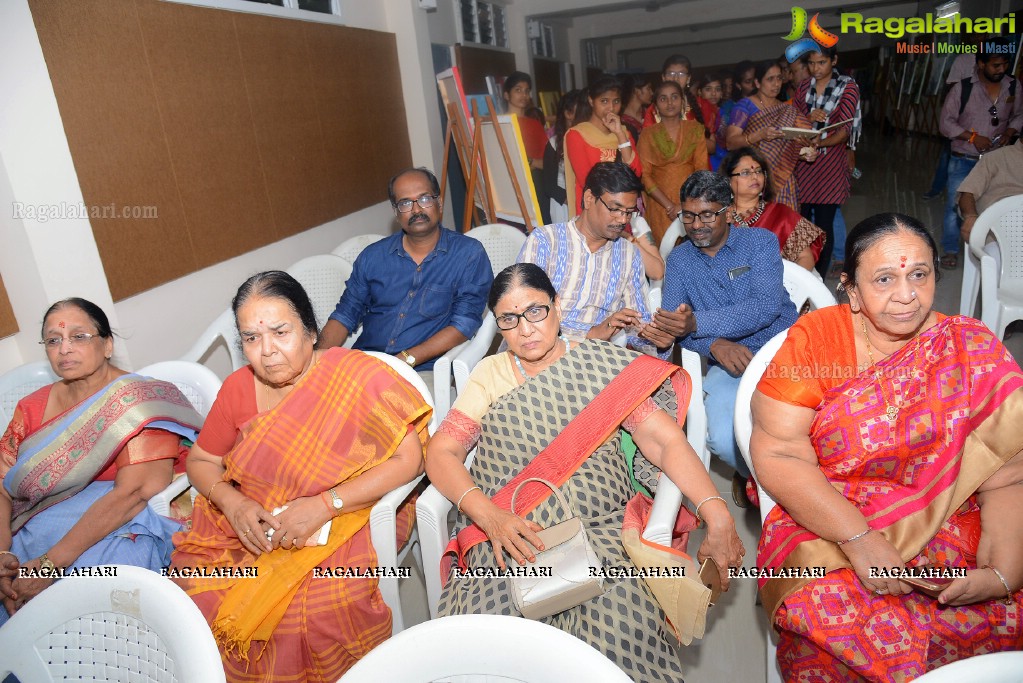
[981, 113]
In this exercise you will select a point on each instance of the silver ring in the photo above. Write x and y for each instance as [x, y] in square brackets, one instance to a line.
[284, 535]
[881, 591]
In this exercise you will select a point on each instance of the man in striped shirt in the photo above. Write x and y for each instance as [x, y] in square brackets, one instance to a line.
[599, 277]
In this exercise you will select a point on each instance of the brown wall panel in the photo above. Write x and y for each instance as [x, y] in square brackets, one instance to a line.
[8, 323]
[476, 63]
[239, 129]
[199, 80]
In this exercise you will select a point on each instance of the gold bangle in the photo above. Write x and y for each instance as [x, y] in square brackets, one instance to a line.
[209, 494]
[745, 136]
[1008, 591]
[458, 505]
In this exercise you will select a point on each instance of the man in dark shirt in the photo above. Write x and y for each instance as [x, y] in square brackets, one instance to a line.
[724, 298]
[990, 116]
[418, 293]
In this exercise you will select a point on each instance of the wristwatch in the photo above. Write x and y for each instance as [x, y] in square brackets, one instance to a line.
[46, 566]
[336, 501]
[408, 358]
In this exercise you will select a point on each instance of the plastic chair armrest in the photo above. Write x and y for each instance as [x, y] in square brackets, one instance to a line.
[432, 520]
[667, 503]
[162, 500]
[384, 536]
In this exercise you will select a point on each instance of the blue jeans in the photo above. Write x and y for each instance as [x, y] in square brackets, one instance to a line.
[958, 169]
[941, 170]
[838, 252]
[719, 390]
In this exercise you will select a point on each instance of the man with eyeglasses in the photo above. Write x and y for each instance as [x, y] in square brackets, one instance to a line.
[724, 299]
[980, 114]
[599, 277]
[418, 293]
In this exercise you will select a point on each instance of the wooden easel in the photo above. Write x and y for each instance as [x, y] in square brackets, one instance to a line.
[472, 158]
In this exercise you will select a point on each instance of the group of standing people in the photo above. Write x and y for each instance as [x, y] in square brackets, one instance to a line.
[665, 131]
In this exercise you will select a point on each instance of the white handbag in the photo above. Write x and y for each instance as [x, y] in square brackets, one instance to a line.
[574, 574]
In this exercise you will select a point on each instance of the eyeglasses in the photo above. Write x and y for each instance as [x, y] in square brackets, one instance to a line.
[705, 216]
[676, 74]
[620, 213]
[993, 111]
[747, 172]
[534, 314]
[73, 340]
[426, 201]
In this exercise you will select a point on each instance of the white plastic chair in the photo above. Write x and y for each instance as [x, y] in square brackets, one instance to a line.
[802, 284]
[383, 517]
[475, 645]
[1002, 284]
[673, 232]
[976, 247]
[18, 383]
[323, 278]
[222, 329]
[134, 627]
[501, 242]
[200, 385]
[350, 249]
[743, 431]
[996, 667]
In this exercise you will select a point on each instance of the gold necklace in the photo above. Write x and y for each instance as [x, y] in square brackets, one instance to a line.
[891, 411]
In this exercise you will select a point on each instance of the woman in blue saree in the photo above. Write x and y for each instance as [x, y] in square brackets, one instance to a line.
[81, 458]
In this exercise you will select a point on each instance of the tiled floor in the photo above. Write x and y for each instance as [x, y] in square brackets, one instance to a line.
[896, 172]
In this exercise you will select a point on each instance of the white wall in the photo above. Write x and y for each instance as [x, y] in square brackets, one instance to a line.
[45, 261]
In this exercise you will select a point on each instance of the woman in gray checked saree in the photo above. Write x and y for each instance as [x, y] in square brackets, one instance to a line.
[516, 403]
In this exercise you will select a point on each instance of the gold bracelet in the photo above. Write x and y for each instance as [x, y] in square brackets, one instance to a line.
[458, 505]
[746, 138]
[854, 538]
[706, 500]
[209, 494]
[1008, 591]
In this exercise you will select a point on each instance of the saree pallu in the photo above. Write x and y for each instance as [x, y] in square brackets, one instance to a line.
[625, 622]
[53, 481]
[782, 155]
[667, 162]
[348, 414]
[961, 397]
[794, 232]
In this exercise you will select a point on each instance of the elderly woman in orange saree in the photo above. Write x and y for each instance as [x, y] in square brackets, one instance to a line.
[297, 440]
[756, 121]
[670, 151]
[887, 433]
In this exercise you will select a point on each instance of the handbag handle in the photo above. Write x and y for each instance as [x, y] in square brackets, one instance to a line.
[557, 492]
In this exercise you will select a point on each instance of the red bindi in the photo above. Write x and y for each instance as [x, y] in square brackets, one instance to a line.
[902, 263]
[61, 324]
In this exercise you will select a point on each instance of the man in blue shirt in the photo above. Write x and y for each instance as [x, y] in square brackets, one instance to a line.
[724, 299]
[418, 293]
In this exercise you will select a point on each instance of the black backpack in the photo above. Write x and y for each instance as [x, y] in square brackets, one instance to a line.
[967, 88]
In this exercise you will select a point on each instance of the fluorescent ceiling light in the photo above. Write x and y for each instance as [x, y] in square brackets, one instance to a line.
[946, 10]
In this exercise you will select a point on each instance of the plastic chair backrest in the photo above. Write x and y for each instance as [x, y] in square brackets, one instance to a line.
[501, 242]
[801, 285]
[132, 626]
[18, 383]
[480, 644]
[671, 235]
[197, 382]
[323, 278]
[222, 328]
[1008, 230]
[350, 249]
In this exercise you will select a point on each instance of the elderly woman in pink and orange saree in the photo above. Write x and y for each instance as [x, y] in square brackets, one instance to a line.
[81, 458]
[909, 465]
